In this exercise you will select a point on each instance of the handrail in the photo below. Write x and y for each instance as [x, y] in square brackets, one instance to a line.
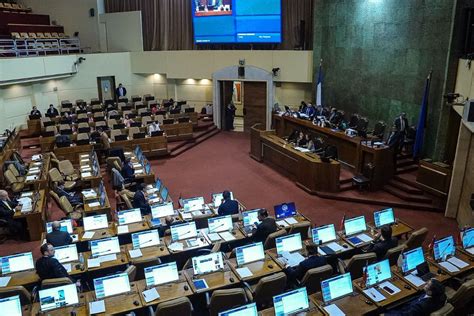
[27, 47]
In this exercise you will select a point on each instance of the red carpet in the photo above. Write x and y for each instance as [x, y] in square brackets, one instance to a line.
[222, 162]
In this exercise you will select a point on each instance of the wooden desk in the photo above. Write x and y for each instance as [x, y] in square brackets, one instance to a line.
[148, 252]
[390, 300]
[306, 169]
[151, 146]
[215, 280]
[354, 304]
[122, 259]
[460, 255]
[361, 245]
[202, 243]
[460, 249]
[313, 311]
[23, 278]
[167, 292]
[133, 227]
[35, 220]
[236, 233]
[47, 143]
[119, 303]
[41, 181]
[34, 127]
[80, 309]
[178, 131]
[258, 268]
[433, 269]
[98, 234]
[72, 153]
[399, 229]
[341, 242]
[351, 151]
[300, 218]
[105, 209]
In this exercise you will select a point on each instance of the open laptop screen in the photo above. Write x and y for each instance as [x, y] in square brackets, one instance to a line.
[147, 238]
[95, 222]
[162, 210]
[354, 225]
[106, 246]
[250, 218]
[246, 310]
[285, 210]
[183, 231]
[249, 253]
[161, 274]
[468, 238]
[129, 216]
[336, 287]
[18, 262]
[288, 243]
[378, 272]
[384, 217]
[444, 247]
[291, 302]
[11, 306]
[217, 198]
[220, 224]
[324, 234]
[412, 258]
[193, 204]
[208, 263]
[57, 297]
[66, 253]
[111, 285]
[64, 225]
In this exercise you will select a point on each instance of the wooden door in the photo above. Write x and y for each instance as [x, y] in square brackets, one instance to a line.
[226, 98]
[255, 104]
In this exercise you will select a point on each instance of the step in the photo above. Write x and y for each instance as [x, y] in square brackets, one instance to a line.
[406, 187]
[405, 162]
[406, 169]
[346, 186]
[195, 142]
[406, 196]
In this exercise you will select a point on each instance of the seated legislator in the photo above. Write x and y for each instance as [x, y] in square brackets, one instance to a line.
[127, 170]
[310, 111]
[140, 201]
[58, 237]
[52, 111]
[383, 243]
[266, 227]
[153, 127]
[48, 267]
[127, 121]
[228, 206]
[35, 111]
[433, 299]
[7, 210]
[313, 261]
[301, 141]
[72, 197]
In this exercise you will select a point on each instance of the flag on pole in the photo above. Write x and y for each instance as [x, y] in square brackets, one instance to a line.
[363, 281]
[431, 245]
[420, 128]
[319, 86]
[341, 227]
[180, 201]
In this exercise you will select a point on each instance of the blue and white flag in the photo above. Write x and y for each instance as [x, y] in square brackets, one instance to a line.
[420, 128]
[319, 86]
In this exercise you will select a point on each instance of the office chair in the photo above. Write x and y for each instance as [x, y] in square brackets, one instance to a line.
[12, 182]
[379, 130]
[462, 298]
[222, 300]
[55, 176]
[302, 228]
[270, 241]
[71, 212]
[25, 296]
[180, 306]
[67, 169]
[313, 277]
[446, 310]
[364, 180]
[393, 254]
[356, 264]
[267, 287]
[416, 238]
[50, 283]
[142, 263]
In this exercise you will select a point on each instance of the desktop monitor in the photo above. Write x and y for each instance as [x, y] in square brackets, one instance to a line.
[129, 216]
[336, 287]
[104, 246]
[66, 253]
[183, 231]
[162, 210]
[246, 310]
[288, 243]
[285, 210]
[249, 253]
[378, 272]
[161, 274]
[217, 198]
[291, 302]
[324, 234]
[208, 263]
[111, 285]
[384, 217]
[103, 198]
[193, 204]
[95, 222]
[468, 238]
[145, 239]
[354, 225]
[411, 259]
[57, 297]
[164, 193]
[64, 225]
[444, 247]
[250, 218]
[158, 184]
[16, 263]
[11, 306]
[220, 224]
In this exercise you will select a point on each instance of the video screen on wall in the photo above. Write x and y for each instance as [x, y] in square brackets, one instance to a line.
[236, 21]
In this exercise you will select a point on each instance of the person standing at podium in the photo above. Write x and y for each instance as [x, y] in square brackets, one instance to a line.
[35, 111]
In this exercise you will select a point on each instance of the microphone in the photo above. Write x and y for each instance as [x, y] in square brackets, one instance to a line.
[182, 235]
[101, 252]
[222, 224]
[146, 242]
[445, 248]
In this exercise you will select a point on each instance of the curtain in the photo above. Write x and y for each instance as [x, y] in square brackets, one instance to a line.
[168, 25]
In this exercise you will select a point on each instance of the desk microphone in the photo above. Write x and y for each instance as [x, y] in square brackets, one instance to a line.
[469, 241]
[222, 224]
[146, 242]
[101, 252]
[445, 248]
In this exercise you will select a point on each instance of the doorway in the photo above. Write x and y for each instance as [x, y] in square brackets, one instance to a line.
[250, 101]
[106, 88]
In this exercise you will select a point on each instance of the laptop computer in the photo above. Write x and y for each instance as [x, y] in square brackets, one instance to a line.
[104, 247]
[249, 253]
[217, 198]
[250, 220]
[161, 274]
[95, 222]
[285, 210]
[354, 228]
[17, 263]
[245, 310]
[145, 239]
[67, 253]
[378, 278]
[336, 287]
[129, 216]
[193, 204]
[288, 248]
[444, 248]
[161, 210]
[164, 193]
[11, 306]
[111, 285]
[384, 217]
[291, 303]
[326, 235]
[57, 297]
[157, 133]
[139, 135]
[219, 227]
[208, 263]
[468, 240]
[185, 231]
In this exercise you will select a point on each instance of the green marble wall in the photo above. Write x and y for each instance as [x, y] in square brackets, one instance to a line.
[377, 54]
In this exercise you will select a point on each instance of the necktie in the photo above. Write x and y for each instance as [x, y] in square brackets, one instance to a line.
[402, 124]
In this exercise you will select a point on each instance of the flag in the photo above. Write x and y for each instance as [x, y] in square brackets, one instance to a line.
[420, 128]
[363, 281]
[459, 237]
[180, 201]
[431, 245]
[341, 227]
[319, 86]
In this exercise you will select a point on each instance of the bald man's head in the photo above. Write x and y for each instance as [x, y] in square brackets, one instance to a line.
[3, 195]
[56, 225]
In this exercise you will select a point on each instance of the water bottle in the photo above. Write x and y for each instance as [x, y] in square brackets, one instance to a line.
[81, 258]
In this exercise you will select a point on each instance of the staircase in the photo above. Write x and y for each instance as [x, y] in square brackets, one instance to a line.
[202, 132]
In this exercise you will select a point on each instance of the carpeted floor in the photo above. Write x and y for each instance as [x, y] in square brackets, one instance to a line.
[222, 162]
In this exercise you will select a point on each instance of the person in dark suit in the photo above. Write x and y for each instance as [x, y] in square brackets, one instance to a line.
[266, 227]
[121, 91]
[48, 267]
[303, 107]
[52, 111]
[401, 123]
[7, 210]
[383, 243]
[228, 206]
[35, 111]
[127, 170]
[58, 237]
[433, 299]
[140, 201]
[313, 261]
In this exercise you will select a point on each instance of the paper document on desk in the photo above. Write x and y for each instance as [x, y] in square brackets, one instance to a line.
[374, 294]
[186, 216]
[106, 258]
[139, 171]
[151, 295]
[389, 285]
[333, 310]
[282, 223]
[244, 272]
[335, 246]
[93, 263]
[68, 267]
[122, 229]
[176, 246]
[36, 157]
[4, 281]
[303, 150]
[86, 174]
[89, 193]
[30, 178]
[458, 262]
[135, 253]
[321, 252]
[88, 235]
[291, 220]
[414, 279]
[292, 259]
[26, 204]
[227, 236]
[94, 204]
[449, 266]
[97, 307]
[26, 194]
[213, 237]
[364, 237]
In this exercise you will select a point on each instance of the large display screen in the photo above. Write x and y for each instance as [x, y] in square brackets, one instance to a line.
[236, 21]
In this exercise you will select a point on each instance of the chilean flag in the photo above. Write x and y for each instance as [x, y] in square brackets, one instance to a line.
[319, 86]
